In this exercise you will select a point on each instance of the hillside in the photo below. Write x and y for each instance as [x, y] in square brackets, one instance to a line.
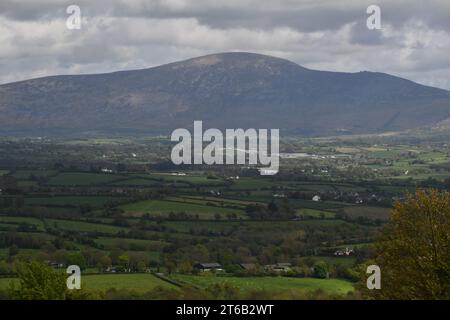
[224, 90]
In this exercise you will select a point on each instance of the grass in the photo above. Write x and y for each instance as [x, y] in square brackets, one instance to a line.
[368, 212]
[252, 184]
[164, 207]
[135, 183]
[212, 202]
[5, 251]
[82, 179]
[424, 176]
[247, 284]
[224, 201]
[213, 226]
[189, 178]
[111, 243]
[26, 174]
[8, 227]
[17, 220]
[26, 183]
[317, 205]
[103, 282]
[137, 282]
[343, 261]
[315, 214]
[81, 226]
[95, 201]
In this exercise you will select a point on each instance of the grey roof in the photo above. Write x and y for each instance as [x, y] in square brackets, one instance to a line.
[211, 265]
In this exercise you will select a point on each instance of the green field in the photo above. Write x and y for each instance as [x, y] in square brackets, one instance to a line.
[3, 172]
[95, 201]
[26, 174]
[83, 179]
[343, 261]
[26, 183]
[83, 226]
[112, 243]
[4, 253]
[135, 183]
[17, 220]
[164, 207]
[317, 205]
[7, 227]
[137, 282]
[367, 212]
[252, 184]
[221, 201]
[315, 214]
[247, 284]
[189, 178]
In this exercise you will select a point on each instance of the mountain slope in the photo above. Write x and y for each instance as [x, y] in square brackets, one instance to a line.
[227, 90]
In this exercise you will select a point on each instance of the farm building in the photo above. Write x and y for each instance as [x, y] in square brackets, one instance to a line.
[279, 267]
[55, 264]
[248, 266]
[208, 266]
[344, 252]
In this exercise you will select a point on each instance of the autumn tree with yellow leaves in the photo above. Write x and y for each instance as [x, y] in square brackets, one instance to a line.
[413, 250]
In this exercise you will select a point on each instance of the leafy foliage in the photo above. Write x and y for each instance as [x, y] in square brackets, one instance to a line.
[38, 282]
[414, 249]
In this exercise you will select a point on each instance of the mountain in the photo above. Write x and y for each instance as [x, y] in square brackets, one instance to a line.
[228, 90]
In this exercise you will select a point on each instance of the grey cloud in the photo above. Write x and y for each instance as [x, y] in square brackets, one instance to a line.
[128, 34]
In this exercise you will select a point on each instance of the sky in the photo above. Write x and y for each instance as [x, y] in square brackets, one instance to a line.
[413, 42]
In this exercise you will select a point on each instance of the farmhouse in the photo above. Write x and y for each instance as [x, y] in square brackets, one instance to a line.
[55, 264]
[344, 252]
[279, 267]
[248, 266]
[111, 269]
[279, 195]
[208, 266]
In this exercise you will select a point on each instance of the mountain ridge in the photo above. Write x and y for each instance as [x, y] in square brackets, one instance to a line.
[225, 90]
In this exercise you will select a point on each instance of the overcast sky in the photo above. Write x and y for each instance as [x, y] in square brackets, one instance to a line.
[320, 34]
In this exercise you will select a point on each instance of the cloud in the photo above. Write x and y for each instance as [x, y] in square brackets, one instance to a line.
[324, 34]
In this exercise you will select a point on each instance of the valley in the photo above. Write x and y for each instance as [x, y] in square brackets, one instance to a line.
[119, 209]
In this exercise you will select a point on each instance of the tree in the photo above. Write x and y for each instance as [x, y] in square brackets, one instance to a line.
[103, 263]
[413, 252]
[273, 208]
[200, 253]
[321, 270]
[13, 250]
[223, 291]
[286, 211]
[114, 255]
[38, 282]
[141, 266]
[185, 267]
[124, 261]
[76, 258]
[4, 268]
[169, 263]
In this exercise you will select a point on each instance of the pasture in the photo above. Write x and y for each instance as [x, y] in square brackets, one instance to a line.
[280, 284]
[164, 207]
[137, 282]
[81, 226]
[82, 179]
[69, 201]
